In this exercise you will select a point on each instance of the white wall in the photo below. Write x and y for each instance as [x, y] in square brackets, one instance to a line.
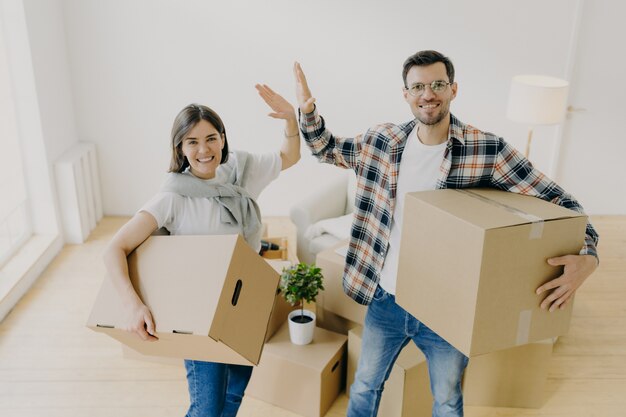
[135, 64]
[594, 146]
[36, 69]
[34, 48]
[46, 32]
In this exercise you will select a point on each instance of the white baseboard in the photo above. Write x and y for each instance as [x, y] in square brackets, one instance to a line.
[22, 271]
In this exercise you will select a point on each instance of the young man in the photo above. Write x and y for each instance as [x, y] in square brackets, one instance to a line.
[435, 150]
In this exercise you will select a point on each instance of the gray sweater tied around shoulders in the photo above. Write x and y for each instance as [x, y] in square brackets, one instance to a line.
[236, 206]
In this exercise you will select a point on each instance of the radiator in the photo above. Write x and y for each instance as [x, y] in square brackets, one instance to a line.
[78, 191]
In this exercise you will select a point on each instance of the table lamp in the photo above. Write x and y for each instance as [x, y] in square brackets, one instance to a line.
[536, 100]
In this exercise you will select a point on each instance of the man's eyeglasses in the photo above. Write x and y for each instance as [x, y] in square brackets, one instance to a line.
[418, 89]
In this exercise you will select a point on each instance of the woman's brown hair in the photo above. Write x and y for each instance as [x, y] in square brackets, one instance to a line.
[183, 123]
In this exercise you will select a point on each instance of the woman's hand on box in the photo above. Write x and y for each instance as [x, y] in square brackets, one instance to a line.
[576, 269]
[141, 323]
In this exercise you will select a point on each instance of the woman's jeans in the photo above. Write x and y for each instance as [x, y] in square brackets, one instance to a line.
[388, 328]
[215, 389]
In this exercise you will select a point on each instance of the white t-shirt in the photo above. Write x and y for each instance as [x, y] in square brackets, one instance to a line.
[419, 171]
[201, 216]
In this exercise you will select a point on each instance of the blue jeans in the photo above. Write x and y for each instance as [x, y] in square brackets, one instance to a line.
[215, 389]
[388, 328]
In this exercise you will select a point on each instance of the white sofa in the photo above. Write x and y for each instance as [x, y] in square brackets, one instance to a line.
[324, 218]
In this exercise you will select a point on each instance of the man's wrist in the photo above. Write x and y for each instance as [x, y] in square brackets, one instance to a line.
[307, 111]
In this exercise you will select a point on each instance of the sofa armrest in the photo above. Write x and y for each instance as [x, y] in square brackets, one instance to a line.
[324, 204]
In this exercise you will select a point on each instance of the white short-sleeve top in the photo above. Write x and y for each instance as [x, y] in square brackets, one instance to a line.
[182, 215]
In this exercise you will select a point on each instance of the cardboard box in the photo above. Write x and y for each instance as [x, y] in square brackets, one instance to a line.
[471, 260]
[279, 316]
[330, 321]
[211, 298]
[303, 379]
[514, 377]
[333, 299]
[407, 391]
[132, 354]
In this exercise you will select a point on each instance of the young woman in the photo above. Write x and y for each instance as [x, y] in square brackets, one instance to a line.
[191, 202]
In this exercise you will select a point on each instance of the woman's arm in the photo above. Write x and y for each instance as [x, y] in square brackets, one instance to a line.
[131, 235]
[282, 109]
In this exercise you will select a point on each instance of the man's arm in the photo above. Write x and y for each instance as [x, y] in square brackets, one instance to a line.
[328, 148]
[514, 173]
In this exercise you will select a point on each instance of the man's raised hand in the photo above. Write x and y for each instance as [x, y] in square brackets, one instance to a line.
[305, 100]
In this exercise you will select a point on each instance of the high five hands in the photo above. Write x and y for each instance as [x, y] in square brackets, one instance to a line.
[282, 109]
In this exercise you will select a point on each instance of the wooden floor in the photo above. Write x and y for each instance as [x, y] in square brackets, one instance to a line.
[51, 365]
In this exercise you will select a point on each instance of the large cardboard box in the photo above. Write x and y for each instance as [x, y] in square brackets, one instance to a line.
[514, 377]
[132, 354]
[278, 317]
[407, 391]
[303, 379]
[335, 310]
[471, 260]
[211, 298]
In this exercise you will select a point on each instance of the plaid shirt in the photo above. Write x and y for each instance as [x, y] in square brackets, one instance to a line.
[472, 159]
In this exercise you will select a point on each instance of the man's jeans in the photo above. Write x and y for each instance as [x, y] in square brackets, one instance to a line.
[388, 328]
[215, 389]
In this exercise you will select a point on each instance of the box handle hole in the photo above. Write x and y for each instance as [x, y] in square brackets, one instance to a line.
[236, 293]
[335, 366]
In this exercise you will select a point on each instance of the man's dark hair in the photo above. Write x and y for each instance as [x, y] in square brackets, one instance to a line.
[423, 58]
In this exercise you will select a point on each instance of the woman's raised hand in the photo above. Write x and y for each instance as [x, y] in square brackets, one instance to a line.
[282, 109]
[305, 100]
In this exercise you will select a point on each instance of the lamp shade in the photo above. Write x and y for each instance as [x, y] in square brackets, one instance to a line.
[537, 99]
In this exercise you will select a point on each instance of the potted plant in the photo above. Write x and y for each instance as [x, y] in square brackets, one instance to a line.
[300, 283]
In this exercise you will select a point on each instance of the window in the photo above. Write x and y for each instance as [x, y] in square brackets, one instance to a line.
[15, 225]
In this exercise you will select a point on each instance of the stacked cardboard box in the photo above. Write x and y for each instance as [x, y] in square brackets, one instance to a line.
[407, 391]
[335, 310]
[514, 377]
[304, 379]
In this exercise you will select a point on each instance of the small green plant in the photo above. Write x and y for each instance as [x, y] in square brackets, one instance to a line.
[301, 282]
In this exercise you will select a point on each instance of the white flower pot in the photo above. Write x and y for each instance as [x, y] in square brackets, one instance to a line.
[301, 333]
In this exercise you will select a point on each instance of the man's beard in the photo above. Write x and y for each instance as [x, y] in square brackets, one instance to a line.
[436, 119]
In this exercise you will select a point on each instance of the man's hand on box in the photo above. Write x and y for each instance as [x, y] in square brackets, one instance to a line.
[576, 269]
[142, 324]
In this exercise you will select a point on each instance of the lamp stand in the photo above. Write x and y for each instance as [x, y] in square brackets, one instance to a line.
[530, 138]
